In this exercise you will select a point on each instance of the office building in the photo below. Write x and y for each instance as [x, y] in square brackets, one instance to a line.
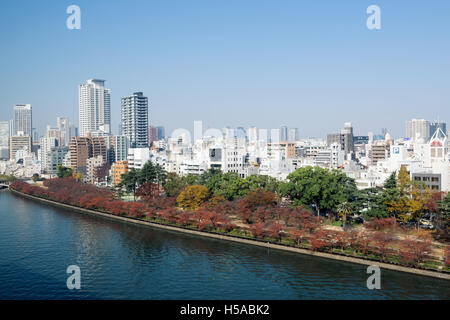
[4, 139]
[418, 130]
[23, 120]
[17, 143]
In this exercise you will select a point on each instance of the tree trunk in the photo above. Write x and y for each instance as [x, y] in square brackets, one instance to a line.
[344, 220]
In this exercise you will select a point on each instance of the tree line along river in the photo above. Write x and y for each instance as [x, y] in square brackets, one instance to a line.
[122, 261]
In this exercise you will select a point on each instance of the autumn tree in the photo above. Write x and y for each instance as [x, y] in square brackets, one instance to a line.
[414, 251]
[275, 231]
[192, 197]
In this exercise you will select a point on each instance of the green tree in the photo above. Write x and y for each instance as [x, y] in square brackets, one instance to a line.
[35, 177]
[263, 182]
[344, 209]
[444, 205]
[318, 187]
[228, 185]
[390, 194]
[151, 173]
[130, 181]
[174, 184]
[63, 172]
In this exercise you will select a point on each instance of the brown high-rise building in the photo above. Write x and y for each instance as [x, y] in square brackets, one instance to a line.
[80, 151]
[99, 147]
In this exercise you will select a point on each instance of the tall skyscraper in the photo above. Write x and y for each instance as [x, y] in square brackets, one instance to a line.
[418, 130]
[252, 134]
[4, 139]
[23, 121]
[283, 133]
[68, 130]
[135, 119]
[94, 107]
[293, 134]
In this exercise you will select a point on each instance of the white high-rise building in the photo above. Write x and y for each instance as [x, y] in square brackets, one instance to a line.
[4, 139]
[293, 135]
[94, 107]
[135, 119]
[44, 151]
[23, 121]
[120, 146]
[252, 134]
[418, 130]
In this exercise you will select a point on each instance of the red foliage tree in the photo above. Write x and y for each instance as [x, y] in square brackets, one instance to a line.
[382, 241]
[257, 230]
[414, 252]
[275, 231]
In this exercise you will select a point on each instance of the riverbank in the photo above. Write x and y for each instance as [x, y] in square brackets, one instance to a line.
[238, 239]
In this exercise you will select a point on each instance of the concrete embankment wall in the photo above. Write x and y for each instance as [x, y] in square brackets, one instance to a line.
[428, 273]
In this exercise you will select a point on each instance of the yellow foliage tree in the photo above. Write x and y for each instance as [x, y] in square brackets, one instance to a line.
[192, 197]
[403, 181]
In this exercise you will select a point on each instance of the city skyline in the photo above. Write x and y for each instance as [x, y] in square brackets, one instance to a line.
[206, 61]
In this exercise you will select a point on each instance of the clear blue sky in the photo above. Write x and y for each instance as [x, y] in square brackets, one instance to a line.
[306, 64]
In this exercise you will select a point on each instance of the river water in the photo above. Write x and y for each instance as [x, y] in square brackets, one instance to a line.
[123, 261]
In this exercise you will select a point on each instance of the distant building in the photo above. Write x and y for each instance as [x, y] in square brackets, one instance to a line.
[23, 120]
[120, 147]
[56, 158]
[135, 119]
[45, 146]
[358, 140]
[345, 138]
[99, 147]
[67, 129]
[4, 139]
[435, 125]
[80, 151]
[380, 150]
[152, 134]
[161, 132]
[283, 134]
[17, 143]
[91, 165]
[293, 135]
[418, 130]
[94, 107]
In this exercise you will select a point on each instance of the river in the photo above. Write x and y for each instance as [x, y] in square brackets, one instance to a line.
[123, 261]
